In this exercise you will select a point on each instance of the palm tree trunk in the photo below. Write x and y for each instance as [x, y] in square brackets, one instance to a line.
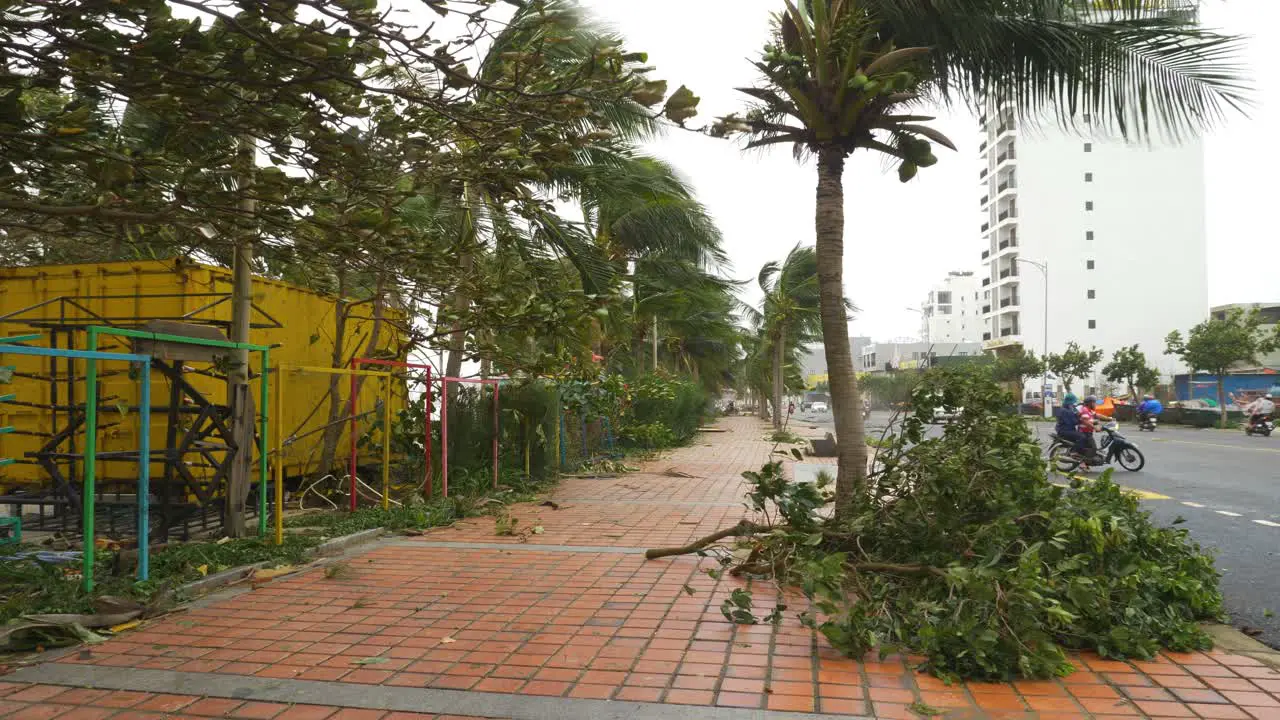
[777, 379]
[851, 471]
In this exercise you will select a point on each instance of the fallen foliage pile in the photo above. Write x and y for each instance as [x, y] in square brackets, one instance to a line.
[961, 550]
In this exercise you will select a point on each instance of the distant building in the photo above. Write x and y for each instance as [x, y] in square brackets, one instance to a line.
[887, 356]
[814, 361]
[952, 313]
[1099, 217]
[1270, 319]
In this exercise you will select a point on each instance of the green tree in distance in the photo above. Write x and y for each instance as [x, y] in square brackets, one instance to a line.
[1129, 365]
[1073, 363]
[1218, 344]
[841, 76]
[1016, 368]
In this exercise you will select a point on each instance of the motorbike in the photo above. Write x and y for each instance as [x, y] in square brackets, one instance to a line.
[866, 412]
[1261, 426]
[1112, 448]
[1148, 423]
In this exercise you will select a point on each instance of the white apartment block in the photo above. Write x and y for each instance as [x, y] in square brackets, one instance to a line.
[952, 313]
[1119, 228]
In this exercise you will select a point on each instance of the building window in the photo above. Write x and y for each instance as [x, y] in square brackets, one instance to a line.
[1088, 147]
[1088, 264]
[1093, 324]
[1088, 234]
[1093, 294]
[1088, 177]
[1088, 205]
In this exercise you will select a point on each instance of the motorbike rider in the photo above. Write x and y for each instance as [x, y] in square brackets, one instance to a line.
[1068, 426]
[1261, 409]
[1089, 420]
[1150, 407]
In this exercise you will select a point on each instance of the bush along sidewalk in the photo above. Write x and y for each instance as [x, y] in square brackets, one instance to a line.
[960, 550]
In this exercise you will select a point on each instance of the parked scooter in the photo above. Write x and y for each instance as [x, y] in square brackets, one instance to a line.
[1262, 425]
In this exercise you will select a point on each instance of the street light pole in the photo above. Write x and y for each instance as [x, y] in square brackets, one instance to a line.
[1044, 377]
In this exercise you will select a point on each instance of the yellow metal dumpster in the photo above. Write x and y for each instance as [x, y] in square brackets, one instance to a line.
[59, 301]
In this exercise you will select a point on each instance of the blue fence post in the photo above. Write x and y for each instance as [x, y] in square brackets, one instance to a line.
[564, 446]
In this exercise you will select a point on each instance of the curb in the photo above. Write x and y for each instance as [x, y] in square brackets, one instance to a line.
[1232, 640]
[336, 546]
[328, 548]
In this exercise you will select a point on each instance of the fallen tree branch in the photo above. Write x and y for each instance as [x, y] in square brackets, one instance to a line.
[744, 527]
[899, 569]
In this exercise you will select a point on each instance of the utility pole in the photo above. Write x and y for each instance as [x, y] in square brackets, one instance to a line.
[1044, 377]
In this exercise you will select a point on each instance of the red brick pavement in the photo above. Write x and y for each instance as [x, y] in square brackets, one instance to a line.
[464, 609]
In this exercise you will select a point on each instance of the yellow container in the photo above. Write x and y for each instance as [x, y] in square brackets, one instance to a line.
[298, 324]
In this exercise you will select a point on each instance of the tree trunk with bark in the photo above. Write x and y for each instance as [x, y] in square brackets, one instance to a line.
[339, 406]
[779, 355]
[1222, 398]
[846, 409]
[242, 421]
[333, 424]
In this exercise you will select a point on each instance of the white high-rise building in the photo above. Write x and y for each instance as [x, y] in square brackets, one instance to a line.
[1119, 228]
[952, 312]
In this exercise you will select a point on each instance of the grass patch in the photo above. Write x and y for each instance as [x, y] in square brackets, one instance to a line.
[785, 436]
[28, 586]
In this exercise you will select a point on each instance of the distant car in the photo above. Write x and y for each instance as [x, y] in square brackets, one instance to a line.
[819, 407]
[943, 414]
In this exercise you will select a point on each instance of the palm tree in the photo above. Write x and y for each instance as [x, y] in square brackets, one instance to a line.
[790, 314]
[846, 75]
[696, 310]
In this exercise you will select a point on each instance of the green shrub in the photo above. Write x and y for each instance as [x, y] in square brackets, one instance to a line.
[651, 436]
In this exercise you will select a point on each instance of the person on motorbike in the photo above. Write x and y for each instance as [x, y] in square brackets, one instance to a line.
[1068, 426]
[1090, 419]
[1261, 409]
[1150, 407]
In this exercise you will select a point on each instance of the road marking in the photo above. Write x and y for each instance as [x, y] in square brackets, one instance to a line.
[1228, 513]
[1140, 494]
[1268, 523]
[1191, 504]
[1219, 445]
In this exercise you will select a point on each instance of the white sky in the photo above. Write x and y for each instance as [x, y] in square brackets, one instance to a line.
[900, 239]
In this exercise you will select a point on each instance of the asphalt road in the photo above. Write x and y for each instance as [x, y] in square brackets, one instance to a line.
[1226, 487]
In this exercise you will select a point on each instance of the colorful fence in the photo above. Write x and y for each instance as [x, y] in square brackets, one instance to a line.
[88, 505]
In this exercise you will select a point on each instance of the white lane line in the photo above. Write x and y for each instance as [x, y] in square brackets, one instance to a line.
[1268, 523]
[1191, 504]
[1228, 513]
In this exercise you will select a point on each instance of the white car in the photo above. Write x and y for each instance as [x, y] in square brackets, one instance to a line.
[944, 414]
[818, 407]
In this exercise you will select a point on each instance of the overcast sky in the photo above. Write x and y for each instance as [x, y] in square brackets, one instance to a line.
[900, 239]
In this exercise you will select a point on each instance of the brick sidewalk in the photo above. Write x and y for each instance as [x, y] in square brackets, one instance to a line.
[571, 622]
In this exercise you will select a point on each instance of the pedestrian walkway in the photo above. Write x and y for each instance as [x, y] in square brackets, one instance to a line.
[566, 619]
